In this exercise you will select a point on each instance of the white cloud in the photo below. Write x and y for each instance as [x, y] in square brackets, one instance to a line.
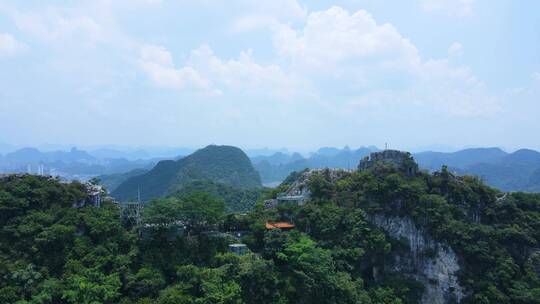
[279, 9]
[460, 8]
[455, 50]
[268, 14]
[243, 73]
[333, 36]
[56, 26]
[157, 62]
[207, 73]
[9, 46]
[455, 89]
[85, 24]
[365, 59]
[358, 66]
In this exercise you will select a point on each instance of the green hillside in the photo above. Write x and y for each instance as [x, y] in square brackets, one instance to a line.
[223, 164]
[338, 251]
[236, 199]
[112, 181]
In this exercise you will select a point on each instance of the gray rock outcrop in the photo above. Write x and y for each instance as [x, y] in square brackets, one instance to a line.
[403, 161]
[432, 263]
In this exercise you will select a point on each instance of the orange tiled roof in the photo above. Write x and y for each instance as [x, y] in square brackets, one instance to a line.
[279, 225]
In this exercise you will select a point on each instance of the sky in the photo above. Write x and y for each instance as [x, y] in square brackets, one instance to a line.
[280, 73]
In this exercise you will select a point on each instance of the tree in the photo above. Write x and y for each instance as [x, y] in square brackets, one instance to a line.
[320, 186]
[196, 211]
[260, 281]
[200, 210]
[161, 213]
[314, 276]
[91, 286]
[147, 282]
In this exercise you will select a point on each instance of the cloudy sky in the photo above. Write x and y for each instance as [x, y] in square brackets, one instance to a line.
[277, 73]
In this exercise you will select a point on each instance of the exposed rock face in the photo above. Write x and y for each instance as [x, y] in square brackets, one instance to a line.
[300, 187]
[433, 264]
[403, 161]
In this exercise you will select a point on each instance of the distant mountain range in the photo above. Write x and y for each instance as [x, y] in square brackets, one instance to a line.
[33, 155]
[72, 164]
[276, 167]
[460, 159]
[140, 153]
[517, 171]
[220, 164]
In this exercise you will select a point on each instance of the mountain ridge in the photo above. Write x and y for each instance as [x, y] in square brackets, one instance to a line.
[223, 164]
[516, 171]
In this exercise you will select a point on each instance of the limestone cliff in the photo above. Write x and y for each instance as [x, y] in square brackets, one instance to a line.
[432, 263]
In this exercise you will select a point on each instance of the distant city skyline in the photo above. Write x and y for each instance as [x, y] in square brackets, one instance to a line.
[298, 74]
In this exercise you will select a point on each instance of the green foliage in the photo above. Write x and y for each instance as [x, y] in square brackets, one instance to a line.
[145, 283]
[162, 212]
[493, 233]
[320, 186]
[236, 199]
[91, 286]
[53, 253]
[196, 211]
[221, 164]
[200, 209]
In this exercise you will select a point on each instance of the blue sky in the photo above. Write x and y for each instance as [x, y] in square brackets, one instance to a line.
[281, 73]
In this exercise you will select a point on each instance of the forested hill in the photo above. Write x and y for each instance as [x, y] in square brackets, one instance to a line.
[516, 171]
[378, 236]
[222, 164]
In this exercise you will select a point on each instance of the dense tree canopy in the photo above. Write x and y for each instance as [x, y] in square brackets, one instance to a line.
[51, 252]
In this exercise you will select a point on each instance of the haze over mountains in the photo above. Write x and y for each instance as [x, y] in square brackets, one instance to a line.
[72, 164]
[276, 167]
[516, 171]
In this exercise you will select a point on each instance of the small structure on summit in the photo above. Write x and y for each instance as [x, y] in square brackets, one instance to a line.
[403, 161]
[279, 225]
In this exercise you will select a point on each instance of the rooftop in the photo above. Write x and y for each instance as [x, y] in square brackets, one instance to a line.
[279, 225]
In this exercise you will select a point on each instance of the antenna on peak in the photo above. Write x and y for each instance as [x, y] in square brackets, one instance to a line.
[139, 194]
[386, 146]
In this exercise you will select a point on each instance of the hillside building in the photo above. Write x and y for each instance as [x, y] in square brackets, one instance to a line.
[279, 225]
